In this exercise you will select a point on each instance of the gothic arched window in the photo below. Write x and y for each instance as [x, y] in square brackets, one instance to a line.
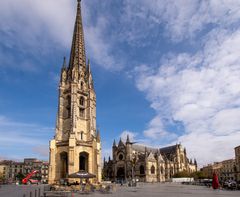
[142, 170]
[81, 112]
[152, 169]
[81, 85]
[80, 135]
[120, 157]
[68, 100]
[81, 101]
[68, 106]
[161, 170]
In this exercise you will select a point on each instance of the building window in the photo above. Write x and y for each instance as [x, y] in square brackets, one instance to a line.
[120, 157]
[68, 106]
[80, 135]
[142, 170]
[68, 100]
[161, 170]
[81, 85]
[152, 169]
[81, 112]
[81, 101]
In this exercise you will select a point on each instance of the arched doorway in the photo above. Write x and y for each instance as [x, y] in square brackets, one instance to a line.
[83, 161]
[121, 173]
[63, 164]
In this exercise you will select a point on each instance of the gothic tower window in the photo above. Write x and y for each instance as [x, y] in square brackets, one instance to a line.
[81, 85]
[81, 101]
[81, 135]
[81, 112]
[152, 169]
[68, 106]
[69, 100]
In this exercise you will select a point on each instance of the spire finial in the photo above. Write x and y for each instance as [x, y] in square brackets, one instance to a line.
[64, 62]
[98, 135]
[114, 143]
[78, 56]
[128, 140]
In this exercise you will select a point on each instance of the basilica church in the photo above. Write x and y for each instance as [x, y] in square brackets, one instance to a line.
[76, 145]
[146, 164]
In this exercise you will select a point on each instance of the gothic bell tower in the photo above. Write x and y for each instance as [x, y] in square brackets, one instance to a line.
[76, 145]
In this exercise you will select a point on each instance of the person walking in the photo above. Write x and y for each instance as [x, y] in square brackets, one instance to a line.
[215, 182]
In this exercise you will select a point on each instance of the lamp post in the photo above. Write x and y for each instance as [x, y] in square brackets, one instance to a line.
[134, 161]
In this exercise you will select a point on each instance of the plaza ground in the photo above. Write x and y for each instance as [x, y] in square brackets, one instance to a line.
[142, 190]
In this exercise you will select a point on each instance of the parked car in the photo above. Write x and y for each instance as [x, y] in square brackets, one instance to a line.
[230, 184]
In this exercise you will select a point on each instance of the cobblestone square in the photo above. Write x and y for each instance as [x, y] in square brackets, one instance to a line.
[142, 190]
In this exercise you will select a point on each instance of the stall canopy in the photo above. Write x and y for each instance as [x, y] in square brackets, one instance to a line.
[82, 175]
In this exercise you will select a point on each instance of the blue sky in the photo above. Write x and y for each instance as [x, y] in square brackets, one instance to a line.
[164, 72]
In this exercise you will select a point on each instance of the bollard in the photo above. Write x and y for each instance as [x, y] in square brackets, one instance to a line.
[31, 194]
[35, 193]
[39, 192]
[24, 195]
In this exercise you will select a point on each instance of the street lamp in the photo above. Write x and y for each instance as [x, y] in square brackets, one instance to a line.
[134, 162]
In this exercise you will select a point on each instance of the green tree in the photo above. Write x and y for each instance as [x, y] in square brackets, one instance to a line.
[182, 174]
[199, 175]
[2, 178]
[19, 176]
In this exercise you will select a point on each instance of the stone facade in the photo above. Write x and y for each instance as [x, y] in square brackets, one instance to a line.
[226, 170]
[31, 164]
[146, 164]
[76, 145]
[10, 169]
[237, 161]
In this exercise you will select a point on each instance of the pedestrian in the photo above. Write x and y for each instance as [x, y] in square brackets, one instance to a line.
[215, 182]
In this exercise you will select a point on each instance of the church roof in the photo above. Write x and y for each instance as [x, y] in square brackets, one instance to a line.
[142, 148]
[167, 152]
[168, 149]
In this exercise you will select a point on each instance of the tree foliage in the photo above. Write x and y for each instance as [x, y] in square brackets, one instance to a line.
[2, 178]
[182, 174]
[195, 175]
[19, 176]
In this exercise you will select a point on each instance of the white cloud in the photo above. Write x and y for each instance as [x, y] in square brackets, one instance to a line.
[36, 28]
[156, 130]
[132, 135]
[181, 19]
[99, 46]
[202, 92]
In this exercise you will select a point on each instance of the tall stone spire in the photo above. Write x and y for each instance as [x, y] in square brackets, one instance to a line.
[78, 56]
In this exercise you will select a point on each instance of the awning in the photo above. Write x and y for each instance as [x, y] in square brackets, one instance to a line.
[82, 175]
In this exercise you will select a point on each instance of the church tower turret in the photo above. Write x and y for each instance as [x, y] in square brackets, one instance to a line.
[76, 145]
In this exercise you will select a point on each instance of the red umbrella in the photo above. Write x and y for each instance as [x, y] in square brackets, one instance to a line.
[215, 182]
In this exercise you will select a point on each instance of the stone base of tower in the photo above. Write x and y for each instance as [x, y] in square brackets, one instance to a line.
[72, 156]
